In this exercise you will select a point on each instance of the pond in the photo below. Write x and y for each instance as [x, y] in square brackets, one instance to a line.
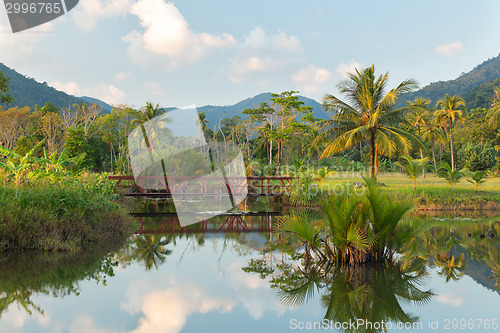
[212, 280]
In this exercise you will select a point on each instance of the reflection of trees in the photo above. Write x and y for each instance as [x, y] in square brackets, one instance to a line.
[451, 267]
[365, 292]
[150, 250]
[22, 298]
[23, 275]
[493, 260]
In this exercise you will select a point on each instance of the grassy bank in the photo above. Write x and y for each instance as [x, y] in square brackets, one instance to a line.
[61, 217]
[432, 193]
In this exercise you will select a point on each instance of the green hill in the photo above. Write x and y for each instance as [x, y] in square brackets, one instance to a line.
[28, 92]
[476, 86]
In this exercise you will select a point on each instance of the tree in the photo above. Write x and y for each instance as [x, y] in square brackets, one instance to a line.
[267, 117]
[13, 124]
[448, 110]
[368, 115]
[5, 98]
[477, 178]
[451, 176]
[288, 108]
[411, 166]
[434, 133]
[494, 113]
[419, 117]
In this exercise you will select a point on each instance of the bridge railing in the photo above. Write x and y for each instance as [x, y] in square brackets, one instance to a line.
[209, 185]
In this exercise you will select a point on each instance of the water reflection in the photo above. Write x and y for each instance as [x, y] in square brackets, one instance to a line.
[26, 275]
[192, 282]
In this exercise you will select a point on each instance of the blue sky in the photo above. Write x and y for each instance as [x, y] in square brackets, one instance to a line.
[219, 52]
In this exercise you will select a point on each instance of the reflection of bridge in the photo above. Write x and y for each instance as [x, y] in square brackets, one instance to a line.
[209, 186]
[226, 222]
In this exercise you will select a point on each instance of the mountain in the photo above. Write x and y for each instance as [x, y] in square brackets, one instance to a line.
[215, 113]
[90, 100]
[28, 92]
[475, 86]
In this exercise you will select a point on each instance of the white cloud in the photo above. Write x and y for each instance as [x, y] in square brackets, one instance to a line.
[262, 54]
[88, 12]
[105, 92]
[344, 69]
[167, 33]
[450, 49]
[122, 76]
[310, 78]
[108, 93]
[451, 299]
[71, 88]
[167, 310]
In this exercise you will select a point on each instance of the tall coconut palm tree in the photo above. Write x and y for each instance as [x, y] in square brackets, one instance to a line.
[367, 114]
[434, 133]
[448, 110]
[493, 114]
[419, 117]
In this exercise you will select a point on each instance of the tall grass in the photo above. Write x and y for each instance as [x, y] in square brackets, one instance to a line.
[60, 216]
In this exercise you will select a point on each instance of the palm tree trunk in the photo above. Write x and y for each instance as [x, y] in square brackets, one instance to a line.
[433, 154]
[373, 156]
[451, 147]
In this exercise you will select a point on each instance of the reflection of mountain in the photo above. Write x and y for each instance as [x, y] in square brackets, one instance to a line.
[479, 271]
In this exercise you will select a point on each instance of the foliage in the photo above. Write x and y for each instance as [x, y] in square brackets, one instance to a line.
[494, 113]
[451, 176]
[477, 178]
[476, 157]
[412, 167]
[5, 98]
[450, 109]
[74, 215]
[368, 115]
[358, 228]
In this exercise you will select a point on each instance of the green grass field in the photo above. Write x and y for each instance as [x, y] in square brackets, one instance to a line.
[432, 193]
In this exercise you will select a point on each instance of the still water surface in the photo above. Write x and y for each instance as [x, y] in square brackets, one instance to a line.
[194, 282]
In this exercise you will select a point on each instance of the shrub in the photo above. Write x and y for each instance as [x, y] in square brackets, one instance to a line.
[477, 157]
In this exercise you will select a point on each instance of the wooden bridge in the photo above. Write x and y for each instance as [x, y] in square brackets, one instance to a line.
[209, 186]
[168, 223]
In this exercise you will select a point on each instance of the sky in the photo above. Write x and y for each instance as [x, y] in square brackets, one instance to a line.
[220, 52]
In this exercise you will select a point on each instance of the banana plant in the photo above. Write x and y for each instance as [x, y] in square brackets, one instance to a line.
[26, 163]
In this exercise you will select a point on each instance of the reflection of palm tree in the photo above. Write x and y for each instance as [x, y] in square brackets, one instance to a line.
[493, 261]
[453, 268]
[365, 292]
[151, 250]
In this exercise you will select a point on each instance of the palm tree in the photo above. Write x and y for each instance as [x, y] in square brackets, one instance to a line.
[494, 113]
[203, 122]
[368, 114]
[434, 133]
[451, 176]
[477, 178]
[151, 250]
[453, 268]
[419, 117]
[450, 109]
[411, 167]
[147, 113]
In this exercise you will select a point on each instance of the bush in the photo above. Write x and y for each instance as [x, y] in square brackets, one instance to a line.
[476, 157]
[64, 217]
